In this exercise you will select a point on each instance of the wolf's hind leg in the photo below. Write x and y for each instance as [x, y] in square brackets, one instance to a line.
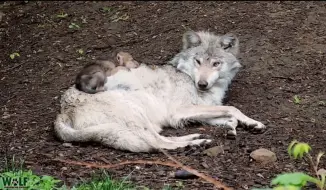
[158, 141]
[214, 115]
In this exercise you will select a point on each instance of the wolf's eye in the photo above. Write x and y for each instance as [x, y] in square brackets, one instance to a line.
[197, 61]
[217, 63]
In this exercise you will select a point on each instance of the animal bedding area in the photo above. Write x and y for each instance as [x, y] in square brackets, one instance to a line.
[282, 50]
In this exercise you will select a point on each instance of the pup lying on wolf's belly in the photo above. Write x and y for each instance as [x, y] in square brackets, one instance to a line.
[92, 77]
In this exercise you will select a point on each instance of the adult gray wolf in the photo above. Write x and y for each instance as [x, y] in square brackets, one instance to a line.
[139, 103]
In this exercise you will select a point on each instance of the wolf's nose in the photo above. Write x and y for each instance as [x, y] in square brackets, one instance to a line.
[202, 84]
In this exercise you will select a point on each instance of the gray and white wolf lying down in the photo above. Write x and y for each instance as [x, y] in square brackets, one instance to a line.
[139, 103]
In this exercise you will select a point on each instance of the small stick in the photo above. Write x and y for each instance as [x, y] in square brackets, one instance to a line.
[195, 172]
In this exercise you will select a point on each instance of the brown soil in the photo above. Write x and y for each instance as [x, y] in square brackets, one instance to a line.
[282, 49]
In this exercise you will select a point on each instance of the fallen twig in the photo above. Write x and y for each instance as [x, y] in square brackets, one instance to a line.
[281, 77]
[119, 164]
[11, 68]
[195, 172]
[177, 164]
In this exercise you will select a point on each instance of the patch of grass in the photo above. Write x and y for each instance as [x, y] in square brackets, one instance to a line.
[13, 174]
[12, 164]
[104, 182]
[13, 171]
[28, 179]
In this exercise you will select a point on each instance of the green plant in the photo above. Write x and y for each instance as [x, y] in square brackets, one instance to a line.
[322, 103]
[297, 180]
[106, 9]
[62, 15]
[12, 164]
[13, 174]
[104, 182]
[180, 185]
[296, 99]
[116, 17]
[80, 51]
[167, 187]
[84, 19]
[13, 55]
[74, 26]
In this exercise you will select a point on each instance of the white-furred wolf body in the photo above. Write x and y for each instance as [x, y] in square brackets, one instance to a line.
[139, 103]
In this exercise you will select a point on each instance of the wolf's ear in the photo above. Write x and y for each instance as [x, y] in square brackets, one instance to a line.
[230, 43]
[190, 39]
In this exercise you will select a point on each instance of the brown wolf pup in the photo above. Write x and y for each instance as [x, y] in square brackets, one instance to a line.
[93, 76]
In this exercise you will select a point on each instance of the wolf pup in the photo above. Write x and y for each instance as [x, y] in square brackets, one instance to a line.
[93, 76]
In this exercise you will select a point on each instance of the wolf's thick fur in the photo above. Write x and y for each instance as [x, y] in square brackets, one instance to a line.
[131, 114]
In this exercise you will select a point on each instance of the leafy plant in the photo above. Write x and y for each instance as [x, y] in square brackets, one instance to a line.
[80, 51]
[322, 103]
[13, 55]
[62, 15]
[116, 17]
[84, 19]
[297, 180]
[180, 185]
[74, 26]
[106, 9]
[296, 99]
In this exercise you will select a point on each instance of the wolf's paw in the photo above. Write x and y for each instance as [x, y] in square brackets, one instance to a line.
[231, 134]
[204, 136]
[258, 128]
[200, 142]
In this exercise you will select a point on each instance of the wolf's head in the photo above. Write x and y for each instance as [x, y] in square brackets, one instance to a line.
[207, 58]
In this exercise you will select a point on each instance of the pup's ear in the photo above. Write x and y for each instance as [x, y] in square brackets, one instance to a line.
[120, 59]
[230, 43]
[190, 39]
[86, 77]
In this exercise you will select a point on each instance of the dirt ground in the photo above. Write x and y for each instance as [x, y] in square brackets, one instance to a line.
[282, 50]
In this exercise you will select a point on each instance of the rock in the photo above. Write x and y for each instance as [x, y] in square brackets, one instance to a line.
[263, 155]
[67, 145]
[161, 173]
[214, 151]
[204, 165]
[260, 175]
[183, 174]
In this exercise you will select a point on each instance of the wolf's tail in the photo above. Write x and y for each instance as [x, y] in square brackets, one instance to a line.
[65, 132]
